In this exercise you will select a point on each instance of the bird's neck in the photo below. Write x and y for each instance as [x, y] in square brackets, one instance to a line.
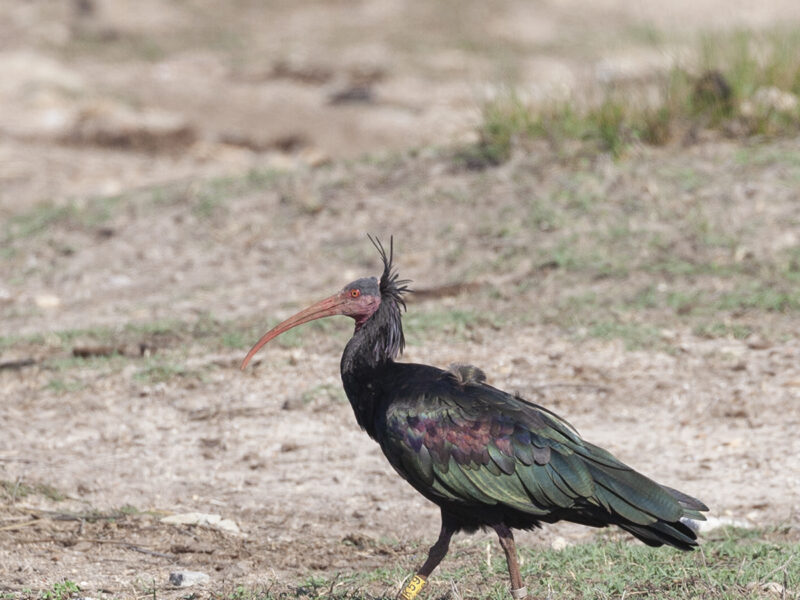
[374, 345]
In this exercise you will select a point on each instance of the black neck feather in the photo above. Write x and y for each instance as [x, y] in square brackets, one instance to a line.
[375, 344]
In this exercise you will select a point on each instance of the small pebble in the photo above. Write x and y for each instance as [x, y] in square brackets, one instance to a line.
[47, 301]
[559, 543]
[187, 578]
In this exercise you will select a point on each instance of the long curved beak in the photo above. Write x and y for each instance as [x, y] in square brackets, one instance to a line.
[324, 308]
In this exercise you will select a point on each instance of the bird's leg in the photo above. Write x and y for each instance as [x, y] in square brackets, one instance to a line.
[435, 555]
[437, 552]
[518, 591]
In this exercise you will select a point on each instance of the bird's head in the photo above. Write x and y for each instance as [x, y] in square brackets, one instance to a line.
[359, 300]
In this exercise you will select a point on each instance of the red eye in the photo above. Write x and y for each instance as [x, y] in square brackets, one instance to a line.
[355, 293]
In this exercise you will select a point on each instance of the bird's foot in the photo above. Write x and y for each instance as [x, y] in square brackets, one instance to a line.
[413, 587]
[519, 593]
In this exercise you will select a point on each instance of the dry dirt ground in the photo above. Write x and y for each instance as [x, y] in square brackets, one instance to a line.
[175, 177]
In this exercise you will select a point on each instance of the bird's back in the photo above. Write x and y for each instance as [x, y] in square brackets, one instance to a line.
[487, 457]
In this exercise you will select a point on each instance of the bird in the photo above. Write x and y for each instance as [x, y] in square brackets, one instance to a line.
[489, 459]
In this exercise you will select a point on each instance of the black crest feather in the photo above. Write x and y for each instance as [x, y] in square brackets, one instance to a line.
[391, 285]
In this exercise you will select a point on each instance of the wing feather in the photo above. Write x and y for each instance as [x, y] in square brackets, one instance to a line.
[469, 443]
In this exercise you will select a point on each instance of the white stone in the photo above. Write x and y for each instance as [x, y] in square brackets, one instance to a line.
[188, 578]
[202, 519]
[775, 99]
[559, 543]
[712, 523]
[47, 301]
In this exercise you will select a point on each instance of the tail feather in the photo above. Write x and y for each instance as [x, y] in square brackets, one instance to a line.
[692, 507]
[643, 495]
[659, 533]
[650, 511]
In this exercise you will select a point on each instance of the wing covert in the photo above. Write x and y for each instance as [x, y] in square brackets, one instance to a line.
[465, 448]
[466, 442]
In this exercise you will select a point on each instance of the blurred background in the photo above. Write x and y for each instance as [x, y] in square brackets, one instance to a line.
[100, 96]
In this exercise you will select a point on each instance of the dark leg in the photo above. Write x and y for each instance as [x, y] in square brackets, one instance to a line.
[518, 591]
[435, 556]
[437, 551]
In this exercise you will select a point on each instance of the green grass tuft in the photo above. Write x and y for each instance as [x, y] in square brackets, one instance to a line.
[63, 590]
[19, 489]
[733, 565]
[503, 120]
[743, 84]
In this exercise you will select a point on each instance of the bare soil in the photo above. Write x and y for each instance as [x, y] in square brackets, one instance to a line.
[175, 177]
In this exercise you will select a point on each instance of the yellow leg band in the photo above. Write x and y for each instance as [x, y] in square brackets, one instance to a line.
[413, 588]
